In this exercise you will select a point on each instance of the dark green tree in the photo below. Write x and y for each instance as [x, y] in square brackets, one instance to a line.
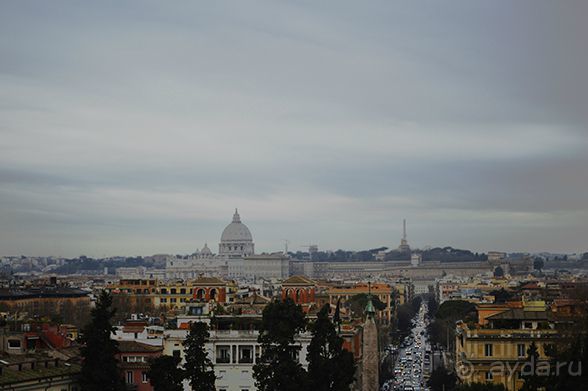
[538, 264]
[165, 373]
[442, 328]
[433, 305]
[416, 304]
[337, 317]
[480, 387]
[404, 314]
[533, 381]
[100, 370]
[442, 380]
[330, 367]
[198, 368]
[498, 272]
[278, 368]
[501, 295]
[358, 302]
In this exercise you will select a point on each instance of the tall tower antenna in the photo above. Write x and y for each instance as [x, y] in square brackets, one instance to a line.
[404, 229]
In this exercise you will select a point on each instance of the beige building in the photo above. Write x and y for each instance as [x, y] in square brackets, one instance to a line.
[498, 351]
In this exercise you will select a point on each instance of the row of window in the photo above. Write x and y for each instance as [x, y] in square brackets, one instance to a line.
[490, 376]
[131, 378]
[242, 354]
[134, 359]
[521, 350]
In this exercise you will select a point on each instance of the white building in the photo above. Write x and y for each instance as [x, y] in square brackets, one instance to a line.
[266, 266]
[233, 353]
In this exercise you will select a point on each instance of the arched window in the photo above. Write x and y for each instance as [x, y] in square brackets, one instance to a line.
[213, 294]
[200, 294]
[297, 296]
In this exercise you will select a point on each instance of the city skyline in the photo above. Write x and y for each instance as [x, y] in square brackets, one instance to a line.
[137, 128]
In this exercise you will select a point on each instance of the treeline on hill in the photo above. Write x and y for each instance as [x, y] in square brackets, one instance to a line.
[86, 264]
[330, 366]
[339, 255]
[441, 254]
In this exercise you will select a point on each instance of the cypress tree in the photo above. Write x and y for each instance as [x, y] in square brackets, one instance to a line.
[100, 370]
[198, 368]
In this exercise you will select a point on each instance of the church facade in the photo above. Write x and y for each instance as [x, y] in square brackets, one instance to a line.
[235, 243]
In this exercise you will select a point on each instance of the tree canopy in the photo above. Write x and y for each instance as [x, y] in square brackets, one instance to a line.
[278, 368]
[165, 373]
[330, 367]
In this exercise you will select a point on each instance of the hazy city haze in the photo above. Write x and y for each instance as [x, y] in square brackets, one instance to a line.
[138, 127]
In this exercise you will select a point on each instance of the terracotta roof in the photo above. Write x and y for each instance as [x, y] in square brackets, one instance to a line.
[12, 377]
[298, 280]
[208, 281]
[135, 347]
[521, 314]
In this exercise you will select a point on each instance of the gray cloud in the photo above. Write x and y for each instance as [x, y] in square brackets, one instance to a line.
[136, 128]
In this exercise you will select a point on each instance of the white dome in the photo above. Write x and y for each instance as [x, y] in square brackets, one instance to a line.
[236, 231]
[236, 240]
[205, 250]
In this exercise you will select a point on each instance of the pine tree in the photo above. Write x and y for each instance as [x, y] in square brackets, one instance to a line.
[532, 381]
[165, 373]
[278, 368]
[330, 367]
[100, 370]
[198, 368]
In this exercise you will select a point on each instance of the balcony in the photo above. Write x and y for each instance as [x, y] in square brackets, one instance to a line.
[223, 360]
[245, 360]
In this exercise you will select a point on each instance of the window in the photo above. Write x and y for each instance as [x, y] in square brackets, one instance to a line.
[223, 354]
[144, 378]
[130, 377]
[14, 344]
[521, 350]
[183, 291]
[163, 300]
[134, 359]
[489, 375]
[164, 291]
[488, 349]
[246, 354]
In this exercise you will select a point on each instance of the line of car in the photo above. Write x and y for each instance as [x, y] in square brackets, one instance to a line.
[413, 363]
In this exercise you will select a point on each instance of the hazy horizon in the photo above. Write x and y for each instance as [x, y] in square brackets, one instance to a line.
[136, 128]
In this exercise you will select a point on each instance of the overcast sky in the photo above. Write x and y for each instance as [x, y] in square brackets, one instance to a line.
[137, 127]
